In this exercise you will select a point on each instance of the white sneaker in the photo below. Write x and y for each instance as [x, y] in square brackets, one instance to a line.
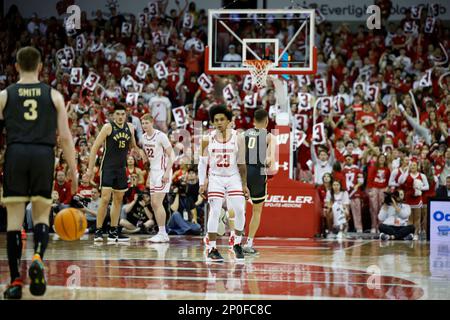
[416, 237]
[373, 230]
[340, 235]
[160, 238]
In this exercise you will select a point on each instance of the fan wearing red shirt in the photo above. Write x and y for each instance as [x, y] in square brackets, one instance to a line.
[367, 117]
[63, 188]
[85, 188]
[354, 179]
[377, 183]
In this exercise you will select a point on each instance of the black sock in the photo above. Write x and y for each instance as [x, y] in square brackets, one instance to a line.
[40, 239]
[14, 248]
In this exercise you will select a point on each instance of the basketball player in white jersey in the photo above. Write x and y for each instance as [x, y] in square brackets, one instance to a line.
[224, 152]
[160, 154]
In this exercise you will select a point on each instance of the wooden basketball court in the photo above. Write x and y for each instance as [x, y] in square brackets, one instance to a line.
[285, 269]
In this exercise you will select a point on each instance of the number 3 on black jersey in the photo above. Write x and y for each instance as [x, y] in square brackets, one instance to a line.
[31, 105]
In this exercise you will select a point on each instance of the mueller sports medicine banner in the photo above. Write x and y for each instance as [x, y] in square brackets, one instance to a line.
[439, 213]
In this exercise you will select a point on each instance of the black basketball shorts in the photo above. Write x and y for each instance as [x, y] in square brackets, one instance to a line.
[257, 183]
[115, 179]
[28, 173]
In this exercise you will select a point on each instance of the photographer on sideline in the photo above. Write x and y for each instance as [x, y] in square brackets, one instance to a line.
[138, 215]
[394, 216]
[183, 219]
[90, 207]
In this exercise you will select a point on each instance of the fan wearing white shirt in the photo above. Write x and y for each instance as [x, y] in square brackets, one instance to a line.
[161, 110]
[234, 58]
[337, 203]
[322, 163]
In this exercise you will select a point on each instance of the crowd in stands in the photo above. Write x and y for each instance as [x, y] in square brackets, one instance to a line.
[377, 78]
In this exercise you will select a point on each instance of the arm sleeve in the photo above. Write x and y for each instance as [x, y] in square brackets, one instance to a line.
[202, 166]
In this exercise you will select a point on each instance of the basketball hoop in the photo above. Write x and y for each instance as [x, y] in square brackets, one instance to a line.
[259, 69]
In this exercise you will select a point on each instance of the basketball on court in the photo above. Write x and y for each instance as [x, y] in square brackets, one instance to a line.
[70, 224]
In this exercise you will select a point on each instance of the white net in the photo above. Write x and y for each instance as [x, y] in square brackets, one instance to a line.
[259, 69]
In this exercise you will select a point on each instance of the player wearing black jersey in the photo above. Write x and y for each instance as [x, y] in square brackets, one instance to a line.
[118, 137]
[32, 112]
[259, 156]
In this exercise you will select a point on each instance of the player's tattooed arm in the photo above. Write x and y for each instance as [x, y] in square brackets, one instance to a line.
[242, 164]
[104, 133]
[271, 145]
[65, 136]
[134, 145]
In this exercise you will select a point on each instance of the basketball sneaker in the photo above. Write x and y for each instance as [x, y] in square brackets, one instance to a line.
[115, 236]
[159, 237]
[98, 235]
[250, 250]
[214, 256]
[238, 252]
[14, 290]
[38, 284]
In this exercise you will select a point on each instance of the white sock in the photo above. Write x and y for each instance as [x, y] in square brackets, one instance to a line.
[250, 242]
[162, 230]
[212, 245]
[237, 239]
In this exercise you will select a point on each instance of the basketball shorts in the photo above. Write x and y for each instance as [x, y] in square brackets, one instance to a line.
[156, 184]
[257, 183]
[28, 173]
[115, 179]
[221, 187]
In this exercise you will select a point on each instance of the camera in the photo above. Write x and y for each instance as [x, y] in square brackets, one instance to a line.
[79, 202]
[389, 196]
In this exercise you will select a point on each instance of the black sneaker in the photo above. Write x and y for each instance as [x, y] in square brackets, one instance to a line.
[214, 256]
[409, 237]
[98, 235]
[122, 238]
[238, 252]
[115, 236]
[14, 290]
